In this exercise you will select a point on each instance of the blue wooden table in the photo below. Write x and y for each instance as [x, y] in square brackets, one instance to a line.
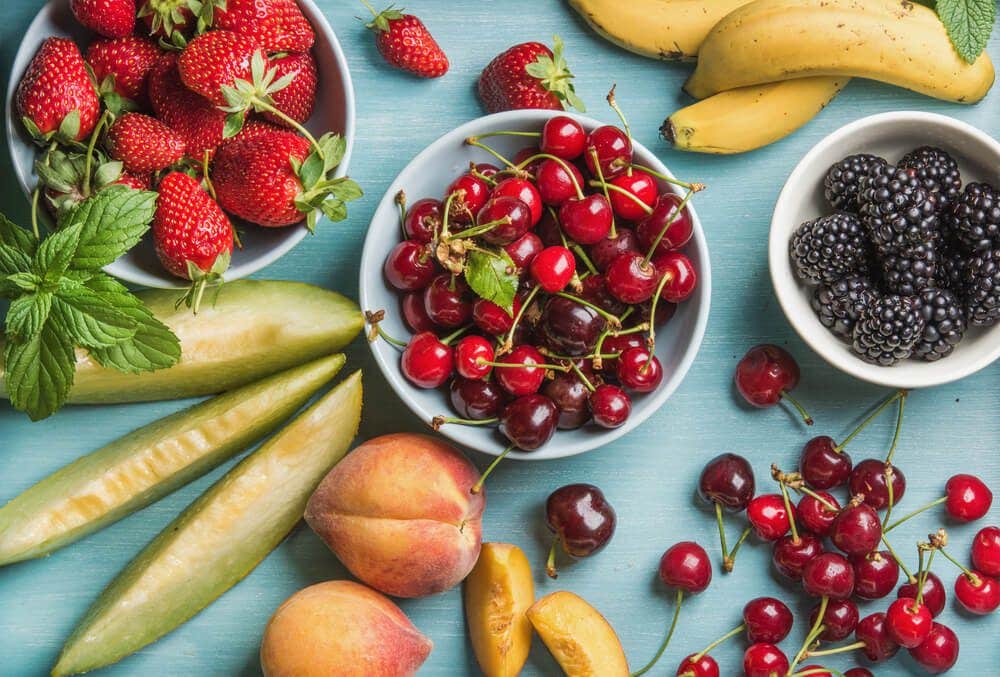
[649, 475]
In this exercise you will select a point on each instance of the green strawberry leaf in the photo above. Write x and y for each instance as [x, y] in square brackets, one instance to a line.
[70, 125]
[493, 276]
[555, 75]
[969, 24]
[27, 314]
[113, 221]
[39, 371]
[346, 190]
[91, 320]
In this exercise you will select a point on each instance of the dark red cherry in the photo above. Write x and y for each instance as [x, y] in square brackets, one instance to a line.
[631, 279]
[686, 565]
[563, 137]
[446, 301]
[603, 253]
[582, 518]
[790, 556]
[768, 517]
[839, 620]
[471, 194]
[765, 373]
[586, 220]
[908, 622]
[410, 266]
[764, 660]
[828, 575]
[613, 151]
[815, 515]
[868, 478]
[677, 230]
[472, 355]
[476, 399]
[767, 620]
[553, 268]
[977, 592]
[524, 249]
[570, 395]
[616, 345]
[568, 327]
[728, 481]
[934, 595]
[493, 319]
[639, 184]
[986, 551]
[515, 217]
[610, 406]
[822, 466]
[664, 312]
[423, 220]
[638, 370]
[968, 498]
[426, 361]
[548, 230]
[595, 290]
[697, 665]
[525, 378]
[857, 530]
[529, 421]
[415, 314]
[858, 672]
[677, 274]
[875, 575]
[523, 190]
[486, 169]
[526, 153]
[558, 182]
[872, 630]
[939, 652]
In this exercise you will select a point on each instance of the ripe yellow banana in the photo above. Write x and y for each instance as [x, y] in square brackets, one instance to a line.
[895, 41]
[747, 118]
[661, 29]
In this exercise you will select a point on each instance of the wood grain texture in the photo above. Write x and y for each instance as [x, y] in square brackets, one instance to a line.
[649, 475]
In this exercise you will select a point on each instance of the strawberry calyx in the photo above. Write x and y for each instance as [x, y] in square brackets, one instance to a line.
[202, 280]
[65, 133]
[169, 18]
[63, 176]
[381, 20]
[321, 192]
[555, 76]
[113, 101]
[255, 94]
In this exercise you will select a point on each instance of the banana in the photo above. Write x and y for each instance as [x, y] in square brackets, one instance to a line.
[661, 29]
[747, 118]
[894, 41]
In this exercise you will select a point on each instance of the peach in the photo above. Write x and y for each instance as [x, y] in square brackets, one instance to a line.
[341, 629]
[400, 515]
[578, 636]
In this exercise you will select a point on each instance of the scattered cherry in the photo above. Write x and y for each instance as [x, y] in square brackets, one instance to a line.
[790, 555]
[698, 665]
[529, 421]
[977, 593]
[968, 498]
[472, 357]
[879, 646]
[524, 378]
[563, 137]
[410, 266]
[638, 370]
[868, 478]
[764, 660]
[446, 301]
[908, 622]
[476, 399]
[766, 374]
[610, 406]
[839, 621]
[822, 465]
[875, 574]
[829, 575]
[640, 184]
[415, 314]
[426, 361]
[631, 279]
[727, 480]
[815, 515]
[586, 220]
[986, 551]
[613, 149]
[553, 268]
[857, 530]
[939, 652]
[768, 517]
[423, 220]
[767, 620]
[933, 595]
[686, 565]
[582, 520]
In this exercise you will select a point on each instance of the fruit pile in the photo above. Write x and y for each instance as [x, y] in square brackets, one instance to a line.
[908, 261]
[536, 289]
[207, 109]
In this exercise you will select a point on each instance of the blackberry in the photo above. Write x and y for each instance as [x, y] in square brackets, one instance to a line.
[975, 217]
[951, 265]
[838, 304]
[888, 329]
[896, 210]
[842, 181]
[910, 271]
[937, 171]
[982, 288]
[829, 247]
[944, 324]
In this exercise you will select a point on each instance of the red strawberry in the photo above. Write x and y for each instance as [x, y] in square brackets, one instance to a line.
[136, 181]
[215, 60]
[404, 42]
[276, 25]
[192, 116]
[296, 100]
[253, 129]
[110, 18]
[143, 143]
[122, 66]
[55, 85]
[528, 75]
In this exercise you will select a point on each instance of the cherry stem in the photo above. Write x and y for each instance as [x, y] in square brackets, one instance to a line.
[895, 436]
[871, 417]
[509, 339]
[478, 486]
[969, 573]
[578, 250]
[910, 578]
[913, 514]
[652, 314]
[473, 141]
[444, 218]
[455, 334]
[487, 135]
[519, 365]
[621, 116]
[692, 186]
[439, 421]
[840, 649]
[479, 175]
[562, 163]
[922, 572]
[806, 418]
[480, 229]
[732, 633]
[550, 562]
[604, 185]
[583, 377]
[817, 628]
[666, 640]
[722, 531]
[729, 562]
[788, 509]
[374, 319]
[809, 492]
[401, 202]
[663, 231]
[614, 320]
[624, 191]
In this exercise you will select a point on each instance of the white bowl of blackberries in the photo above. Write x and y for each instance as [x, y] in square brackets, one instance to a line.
[885, 249]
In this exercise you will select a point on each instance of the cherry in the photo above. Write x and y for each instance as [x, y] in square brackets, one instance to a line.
[933, 595]
[939, 652]
[423, 220]
[676, 230]
[631, 279]
[768, 517]
[767, 620]
[613, 150]
[595, 290]
[529, 421]
[727, 481]
[986, 551]
[445, 301]
[569, 394]
[586, 220]
[524, 249]
[563, 137]
[582, 520]
[476, 399]
[857, 529]
[823, 465]
[815, 515]
[616, 345]
[471, 194]
[908, 622]
[415, 314]
[790, 556]
[426, 361]
[766, 374]
[868, 478]
[968, 498]
[858, 672]
[638, 370]
[558, 182]
[553, 268]
[879, 646]
[514, 216]
[839, 620]
[828, 575]
[977, 592]
[664, 312]
[523, 377]
[523, 190]
[472, 355]
[815, 671]
[409, 266]
[526, 153]
[568, 327]
[548, 230]
[677, 276]
[698, 665]
[486, 169]
[686, 566]
[764, 660]
[610, 406]
[603, 253]
[642, 186]
[493, 319]
[875, 574]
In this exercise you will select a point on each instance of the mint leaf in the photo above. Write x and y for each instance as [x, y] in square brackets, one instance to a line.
[25, 282]
[14, 236]
[493, 276]
[56, 252]
[113, 221]
[91, 320]
[13, 260]
[39, 371]
[27, 314]
[969, 24]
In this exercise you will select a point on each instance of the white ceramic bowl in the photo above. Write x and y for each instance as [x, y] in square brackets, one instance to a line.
[428, 175]
[261, 246]
[889, 135]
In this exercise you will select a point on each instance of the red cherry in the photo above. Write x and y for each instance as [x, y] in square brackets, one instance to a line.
[767, 620]
[529, 422]
[908, 622]
[610, 406]
[470, 352]
[968, 498]
[426, 361]
[766, 373]
[839, 620]
[868, 478]
[875, 575]
[822, 465]
[476, 399]
[471, 194]
[616, 345]
[613, 149]
[790, 556]
[815, 515]
[858, 672]
[641, 185]
[933, 593]
[529, 152]
[677, 230]
[639, 371]
[680, 276]
[553, 268]
[581, 516]
[768, 517]
[686, 565]
[415, 314]
[423, 219]
[764, 660]
[727, 480]
[603, 253]
[939, 652]
[493, 319]
[698, 666]
[857, 529]
[522, 380]
[586, 220]
[548, 230]
[631, 279]
[978, 593]
[815, 671]
[505, 208]
[563, 137]
[557, 182]
[409, 266]
[524, 249]
[445, 301]
[986, 550]
[523, 190]
[828, 575]
[872, 630]
[486, 169]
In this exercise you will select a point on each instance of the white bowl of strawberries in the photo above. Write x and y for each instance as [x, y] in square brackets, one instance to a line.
[530, 307]
[276, 157]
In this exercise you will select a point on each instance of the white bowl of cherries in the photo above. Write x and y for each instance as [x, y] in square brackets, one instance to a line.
[520, 298]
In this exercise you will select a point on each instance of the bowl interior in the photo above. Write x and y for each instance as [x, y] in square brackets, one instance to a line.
[261, 246]
[889, 135]
[428, 175]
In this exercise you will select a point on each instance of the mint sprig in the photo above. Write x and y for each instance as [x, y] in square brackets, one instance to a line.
[60, 300]
[969, 24]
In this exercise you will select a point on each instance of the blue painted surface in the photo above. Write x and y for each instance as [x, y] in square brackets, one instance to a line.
[649, 476]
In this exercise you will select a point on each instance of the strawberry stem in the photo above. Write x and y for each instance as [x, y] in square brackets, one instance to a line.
[88, 163]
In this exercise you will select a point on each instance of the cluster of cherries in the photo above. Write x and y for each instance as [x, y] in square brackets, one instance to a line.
[591, 244]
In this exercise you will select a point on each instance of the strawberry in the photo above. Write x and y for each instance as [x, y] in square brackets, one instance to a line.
[110, 18]
[296, 100]
[215, 60]
[174, 20]
[136, 181]
[55, 96]
[192, 116]
[253, 129]
[121, 66]
[404, 42]
[528, 75]
[276, 25]
[143, 143]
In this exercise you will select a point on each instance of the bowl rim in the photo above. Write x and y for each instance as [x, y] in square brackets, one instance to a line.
[943, 371]
[373, 255]
[133, 275]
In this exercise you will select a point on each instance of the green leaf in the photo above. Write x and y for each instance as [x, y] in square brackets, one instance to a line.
[969, 24]
[493, 276]
[26, 282]
[70, 125]
[27, 315]
[334, 209]
[56, 252]
[233, 124]
[113, 221]
[346, 190]
[91, 320]
[39, 371]
[312, 171]
[334, 147]
[14, 236]
[13, 260]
